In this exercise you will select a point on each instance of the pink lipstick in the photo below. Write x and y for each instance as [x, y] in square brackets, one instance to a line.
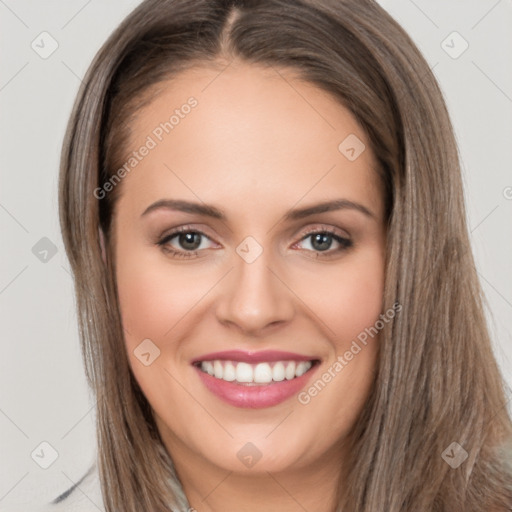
[255, 379]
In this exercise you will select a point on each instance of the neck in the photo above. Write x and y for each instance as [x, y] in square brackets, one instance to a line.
[209, 488]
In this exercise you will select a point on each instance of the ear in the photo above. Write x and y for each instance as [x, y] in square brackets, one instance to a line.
[102, 244]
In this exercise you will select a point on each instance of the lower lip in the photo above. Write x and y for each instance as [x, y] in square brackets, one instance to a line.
[255, 396]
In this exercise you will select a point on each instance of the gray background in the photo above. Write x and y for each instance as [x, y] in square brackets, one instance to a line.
[43, 394]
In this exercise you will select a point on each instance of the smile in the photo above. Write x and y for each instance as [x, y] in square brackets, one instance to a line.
[261, 373]
[254, 379]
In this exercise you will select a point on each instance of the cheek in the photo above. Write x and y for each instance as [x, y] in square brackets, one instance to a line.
[349, 303]
[336, 396]
[154, 302]
[346, 298]
[153, 297]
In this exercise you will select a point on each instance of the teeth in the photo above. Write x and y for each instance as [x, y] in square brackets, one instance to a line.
[207, 366]
[301, 369]
[244, 372]
[289, 373]
[278, 372]
[261, 373]
[218, 369]
[229, 372]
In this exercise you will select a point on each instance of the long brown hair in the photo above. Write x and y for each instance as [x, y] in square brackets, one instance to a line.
[437, 382]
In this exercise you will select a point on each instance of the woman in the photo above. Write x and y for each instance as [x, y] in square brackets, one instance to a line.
[262, 207]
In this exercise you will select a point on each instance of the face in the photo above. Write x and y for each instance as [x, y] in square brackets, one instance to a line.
[242, 300]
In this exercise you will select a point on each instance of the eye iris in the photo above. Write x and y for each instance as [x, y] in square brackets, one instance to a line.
[324, 241]
[188, 238]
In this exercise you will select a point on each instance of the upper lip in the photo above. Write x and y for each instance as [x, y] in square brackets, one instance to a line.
[253, 356]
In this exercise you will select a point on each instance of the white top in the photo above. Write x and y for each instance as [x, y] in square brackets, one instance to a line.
[84, 496]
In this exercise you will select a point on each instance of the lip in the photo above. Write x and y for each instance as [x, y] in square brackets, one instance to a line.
[256, 396]
[261, 356]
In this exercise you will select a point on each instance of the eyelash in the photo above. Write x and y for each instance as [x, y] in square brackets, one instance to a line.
[345, 243]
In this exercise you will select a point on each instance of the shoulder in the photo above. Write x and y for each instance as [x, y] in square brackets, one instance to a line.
[82, 496]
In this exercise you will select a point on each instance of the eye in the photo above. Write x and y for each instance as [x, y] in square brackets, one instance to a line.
[321, 241]
[184, 242]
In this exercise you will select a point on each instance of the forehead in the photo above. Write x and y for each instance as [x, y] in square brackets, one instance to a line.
[247, 133]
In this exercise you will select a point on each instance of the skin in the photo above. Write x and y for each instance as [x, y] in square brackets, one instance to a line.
[259, 143]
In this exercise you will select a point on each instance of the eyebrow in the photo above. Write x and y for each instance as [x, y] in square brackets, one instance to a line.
[295, 214]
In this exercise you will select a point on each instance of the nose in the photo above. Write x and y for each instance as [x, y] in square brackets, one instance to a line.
[256, 297]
